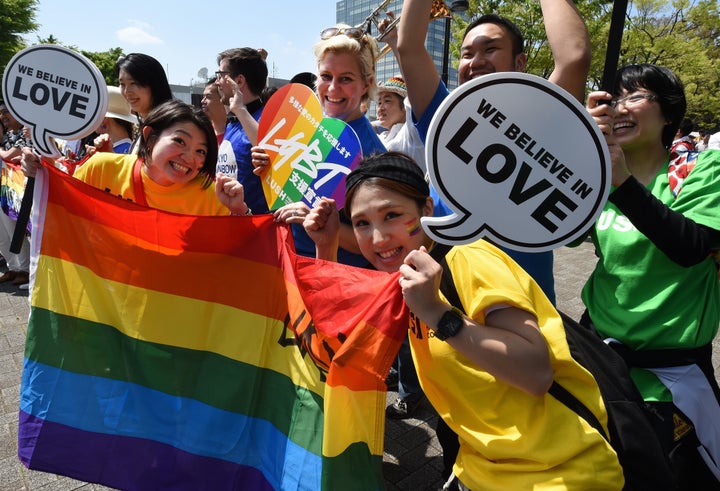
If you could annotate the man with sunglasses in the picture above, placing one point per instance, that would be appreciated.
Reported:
(491, 44)
(241, 78)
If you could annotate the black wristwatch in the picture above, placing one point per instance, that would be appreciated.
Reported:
(449, 324)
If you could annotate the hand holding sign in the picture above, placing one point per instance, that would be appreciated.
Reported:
(309, 155)
(55, 92)
(520, 162)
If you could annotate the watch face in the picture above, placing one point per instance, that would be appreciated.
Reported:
(450, 324)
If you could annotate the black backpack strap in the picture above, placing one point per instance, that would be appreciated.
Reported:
(563, 395)
(438, 251)
(664, 357)
(447, 284)
(448, 289)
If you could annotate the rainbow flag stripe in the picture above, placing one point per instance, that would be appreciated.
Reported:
(12, 188)
(169, 351)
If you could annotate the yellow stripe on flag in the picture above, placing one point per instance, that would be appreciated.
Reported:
(343, 405)
(172, 320)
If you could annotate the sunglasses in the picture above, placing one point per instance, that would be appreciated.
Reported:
(351, 32)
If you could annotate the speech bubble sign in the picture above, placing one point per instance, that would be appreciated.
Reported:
(309, 155)
(519, 161)
(56, 92)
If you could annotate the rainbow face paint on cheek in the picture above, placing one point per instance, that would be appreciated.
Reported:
(413, 227)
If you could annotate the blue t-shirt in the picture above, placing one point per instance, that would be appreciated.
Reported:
(234, 160)
(539, 265)
(369, 143)
(122, 146)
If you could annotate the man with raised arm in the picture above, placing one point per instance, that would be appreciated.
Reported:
(491, 44)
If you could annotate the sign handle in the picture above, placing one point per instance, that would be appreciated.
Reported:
(612, 54)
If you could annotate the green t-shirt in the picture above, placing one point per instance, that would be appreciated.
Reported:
(640, 297)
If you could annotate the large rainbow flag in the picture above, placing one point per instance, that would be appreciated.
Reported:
(173, 352)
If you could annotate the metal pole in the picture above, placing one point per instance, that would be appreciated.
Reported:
(446, 52)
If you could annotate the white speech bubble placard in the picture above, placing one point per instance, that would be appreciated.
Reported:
(519, 161)
(56, 92)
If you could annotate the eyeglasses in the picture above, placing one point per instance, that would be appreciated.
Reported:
(351, 32)
(632, 100)
(221, 73)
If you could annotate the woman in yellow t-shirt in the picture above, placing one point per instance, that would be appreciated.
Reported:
(487, 372)
(174, 169)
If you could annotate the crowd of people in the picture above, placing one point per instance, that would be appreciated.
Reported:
(486, 369)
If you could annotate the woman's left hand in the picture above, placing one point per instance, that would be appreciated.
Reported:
(231, 193)
(420, 281)
(292, 213)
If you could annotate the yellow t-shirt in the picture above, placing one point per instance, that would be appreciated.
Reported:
(509, 439)
(113, 173)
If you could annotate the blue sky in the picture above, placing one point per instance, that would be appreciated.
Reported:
(186, 40)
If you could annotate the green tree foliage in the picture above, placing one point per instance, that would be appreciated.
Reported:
(17, 17)
(104, 60)
(528, 16)
(683, 35)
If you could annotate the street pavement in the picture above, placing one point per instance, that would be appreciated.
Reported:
(412, 459)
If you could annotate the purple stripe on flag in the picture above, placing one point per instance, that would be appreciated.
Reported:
(136, 462)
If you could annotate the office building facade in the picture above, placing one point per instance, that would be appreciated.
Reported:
(354, 13)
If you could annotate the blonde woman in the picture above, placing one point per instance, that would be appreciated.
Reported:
(346, 80)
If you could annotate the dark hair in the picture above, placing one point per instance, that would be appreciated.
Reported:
(2, 126)
(666, 86)
(126, 125)
(173, 112)
(518, 41)
(686, 127)
(395, 171)
(148, 72)
(267, 93)
(249, 63)
(305, 78)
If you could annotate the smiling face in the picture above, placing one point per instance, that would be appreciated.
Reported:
(386, 224)
(638, 123)
(488, 48)
(177, 154)
(341, 86)
(211, 103)
(138, 97)
(390, 109)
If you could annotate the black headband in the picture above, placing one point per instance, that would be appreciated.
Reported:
(390, 167)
